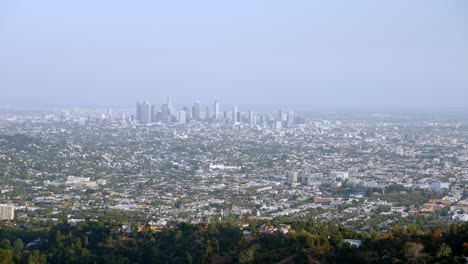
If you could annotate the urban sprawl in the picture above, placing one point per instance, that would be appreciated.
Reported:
(160, 166)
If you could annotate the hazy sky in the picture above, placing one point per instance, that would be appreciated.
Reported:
(319, 54)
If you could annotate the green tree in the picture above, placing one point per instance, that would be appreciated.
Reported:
(36, 258)
(413, 252)
(6, 256)
(444, 250)
(247, 255)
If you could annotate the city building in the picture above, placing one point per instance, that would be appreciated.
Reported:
(182, 117)
(340, 175)
(144, 112)
(437, 186)
(7, 212)
(170, 109)
(290, 119)
(207, 113)
(196, 111)
(234, 115)
(216, 111)
(292, 176)
(278, 124)
(251, 118)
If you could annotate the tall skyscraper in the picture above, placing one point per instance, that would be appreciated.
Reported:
(182, 117)
(290, 119)
(188, 113)
(138, 111)
(234, 115)
(216, 111)
(292, 176)
(153, 113)
(170, 110)
(251, 118)
(164, 110)
(144, 114)
(282, 115)
(196, 111)
(207, 113)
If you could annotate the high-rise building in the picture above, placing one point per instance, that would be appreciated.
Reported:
(144, 112)
(278, 124)
(7, 212)
(188, 113)
(342, 175)
(164, 110)
(182, 117)
(216, 111)
(251, 118)
(290, 119)
(153, 113)
(138, 110)
(207, 113)
(282, 115)
(234, 115)
(292, 176)
(170, 110)
(196, 111)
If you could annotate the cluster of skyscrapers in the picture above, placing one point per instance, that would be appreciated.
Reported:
(147, 113)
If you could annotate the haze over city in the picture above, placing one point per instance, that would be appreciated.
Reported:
(261, 131)
(306, 55)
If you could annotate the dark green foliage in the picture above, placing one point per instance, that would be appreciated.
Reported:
(306, 242)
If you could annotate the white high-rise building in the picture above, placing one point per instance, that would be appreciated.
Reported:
(170, 110)
(292, 176)
(290, 119)
(278, 124)
(234, 115)
(251, 118)
(196, 111)
(216, 111)
(182, 117)
(7, 212)
(342, 175)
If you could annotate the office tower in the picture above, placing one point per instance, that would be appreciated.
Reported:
(170, 110)
(341, 175)
(164, 110)
(159, 117)
(207, 113)
(251, 118)
(196, 111)
(182, 117)
(300, 120)
(292, 177)
(290, 119)
(282, 115)
(7, 212)
(109, 113)
(144, 114)
(138, 111)
(234, 114)
(278, 124)
(188, 113)
(216, 111)
(153, 113)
